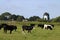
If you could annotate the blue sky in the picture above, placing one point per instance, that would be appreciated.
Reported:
(29, 8)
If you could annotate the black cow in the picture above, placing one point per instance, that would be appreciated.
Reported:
(28, 28)
(9, 27)
(41, 25)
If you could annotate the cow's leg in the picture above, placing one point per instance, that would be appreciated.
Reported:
(47, 28)
(28, 31)
(23, 29)
(44, 27)
(15, 29)
(10, 31)
(5, 31)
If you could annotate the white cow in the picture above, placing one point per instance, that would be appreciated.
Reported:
(48, 26)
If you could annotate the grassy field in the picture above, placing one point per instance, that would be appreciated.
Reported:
(36, 34)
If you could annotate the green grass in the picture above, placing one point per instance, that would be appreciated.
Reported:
(36, 34)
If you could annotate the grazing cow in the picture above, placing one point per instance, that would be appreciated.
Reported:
(48, 26)
(9, 27)
(41, 25)
(28, 28)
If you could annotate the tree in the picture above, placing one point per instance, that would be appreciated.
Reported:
(57, 19)
(13, 17)
(34, 18)
(20, 18)
(5, 16)
(8, 16)
(6, 13)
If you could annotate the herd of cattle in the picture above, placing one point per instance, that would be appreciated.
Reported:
(7, 27)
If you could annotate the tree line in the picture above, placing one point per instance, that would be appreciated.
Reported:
(8, 16)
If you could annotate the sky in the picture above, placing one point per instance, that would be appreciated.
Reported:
(28, 8)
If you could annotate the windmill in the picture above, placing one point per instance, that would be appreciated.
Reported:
(46, 16)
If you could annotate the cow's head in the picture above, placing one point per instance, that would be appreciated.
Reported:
(3, 25)
(15, 28)
(32, 24)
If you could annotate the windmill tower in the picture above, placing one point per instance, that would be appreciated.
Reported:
(46, 16)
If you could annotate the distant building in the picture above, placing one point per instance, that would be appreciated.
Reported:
(46, 16)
